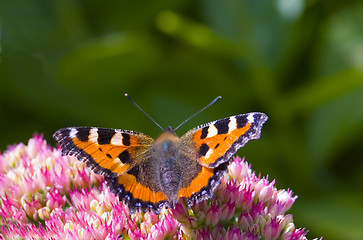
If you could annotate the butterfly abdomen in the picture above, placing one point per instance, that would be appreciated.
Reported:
(170, 177)
(166, 153)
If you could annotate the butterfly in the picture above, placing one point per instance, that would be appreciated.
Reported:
(150, 175)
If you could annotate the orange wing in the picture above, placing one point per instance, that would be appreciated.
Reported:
(215, 143)
(211, 146)
(110, 152)
(138, 194)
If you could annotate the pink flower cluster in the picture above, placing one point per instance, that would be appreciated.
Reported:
(49, 196)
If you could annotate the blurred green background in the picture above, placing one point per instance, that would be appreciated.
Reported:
(68, 63)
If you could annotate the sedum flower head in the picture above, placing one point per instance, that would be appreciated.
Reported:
(46, 195)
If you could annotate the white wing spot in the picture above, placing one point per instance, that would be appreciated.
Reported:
(73, 133)
(93, 135)
(212, 131)
(209, 152)
(232, 125)
(251, 118)
(117, 139)
(117, 161)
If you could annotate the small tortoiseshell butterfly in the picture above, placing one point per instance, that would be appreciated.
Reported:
(150, 174)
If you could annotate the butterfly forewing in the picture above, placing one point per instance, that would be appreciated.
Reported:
(110, 152)
(216, 142)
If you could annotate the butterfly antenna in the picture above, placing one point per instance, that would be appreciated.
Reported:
(210, 104)
(157, 124)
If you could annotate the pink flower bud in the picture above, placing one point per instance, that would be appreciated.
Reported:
(272, 229)
(228, 211)
(54, 199)
(180, 211)
(203, 234)
(238, 169)
(213, 216)
(230, 192)
(233, 234)
(245, 198)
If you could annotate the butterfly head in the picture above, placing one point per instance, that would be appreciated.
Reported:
(170, 129)
(166, 143)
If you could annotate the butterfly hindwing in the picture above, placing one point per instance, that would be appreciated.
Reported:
(139, 188)
(217, 141)
(201, 183)
(109, 152)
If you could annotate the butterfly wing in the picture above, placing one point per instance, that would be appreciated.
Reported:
(215, 143)
(122, 157)
(110, 152)
(211, 145)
